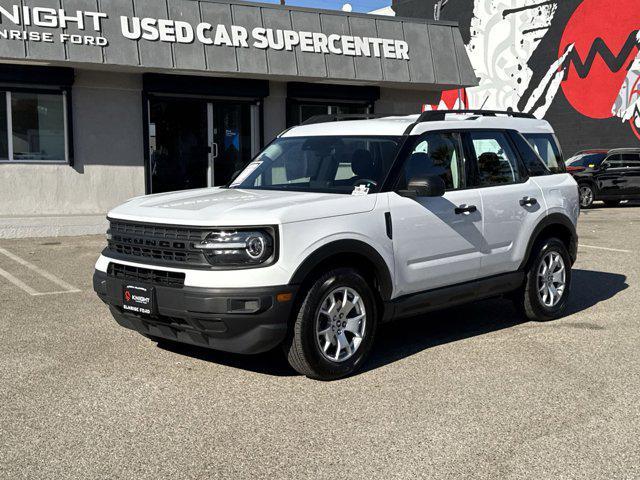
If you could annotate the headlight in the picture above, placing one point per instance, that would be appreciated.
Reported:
(238, 247)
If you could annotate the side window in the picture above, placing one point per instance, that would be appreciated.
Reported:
(497, 164)
(631, 160)
(532, 161)
(546, 146)
(615, 161)
(435, 154)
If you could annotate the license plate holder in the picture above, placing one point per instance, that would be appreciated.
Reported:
(138, 299)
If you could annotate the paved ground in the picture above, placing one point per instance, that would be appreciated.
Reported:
(472, 392)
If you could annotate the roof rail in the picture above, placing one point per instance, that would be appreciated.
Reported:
(338, 117)
(439, 115)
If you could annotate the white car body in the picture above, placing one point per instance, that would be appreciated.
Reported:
(420, 244)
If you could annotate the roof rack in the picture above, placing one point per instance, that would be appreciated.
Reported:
(439, 115)
(338, 117)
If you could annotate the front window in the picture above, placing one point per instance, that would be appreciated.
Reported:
(33, 126)
(435, 154)
(321, 164)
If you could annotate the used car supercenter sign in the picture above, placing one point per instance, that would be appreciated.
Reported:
(176, 31)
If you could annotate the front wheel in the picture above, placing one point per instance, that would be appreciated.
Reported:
(587, 195)
(334, 327)
(545, 293)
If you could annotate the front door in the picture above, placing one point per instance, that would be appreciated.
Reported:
(611, 178)
(438, 241)
(196, 143)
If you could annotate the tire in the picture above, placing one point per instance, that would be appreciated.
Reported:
(305, 344)
(586, 194)
(531, 300)
(612, 203)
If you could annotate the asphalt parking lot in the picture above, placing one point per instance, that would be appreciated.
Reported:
(472, 392)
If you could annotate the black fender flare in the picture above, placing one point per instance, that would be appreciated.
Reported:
(358, 249)
(549, 221)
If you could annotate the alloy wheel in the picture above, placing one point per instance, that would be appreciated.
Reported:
(552, 278)
(586, 196)
(340, 324)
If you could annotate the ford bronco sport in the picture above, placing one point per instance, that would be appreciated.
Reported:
(337, 227)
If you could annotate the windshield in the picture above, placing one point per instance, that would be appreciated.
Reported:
(586, 160)
(321, 164)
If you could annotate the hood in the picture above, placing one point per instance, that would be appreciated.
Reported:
(235, 207)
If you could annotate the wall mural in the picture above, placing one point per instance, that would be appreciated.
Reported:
(566, 60)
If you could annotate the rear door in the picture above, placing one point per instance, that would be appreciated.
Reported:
(437, 240)
(512, 203)
(631, 162)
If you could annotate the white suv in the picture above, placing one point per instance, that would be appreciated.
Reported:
(337, 227)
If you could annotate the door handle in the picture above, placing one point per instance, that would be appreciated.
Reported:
(465, 209)
(528, 202)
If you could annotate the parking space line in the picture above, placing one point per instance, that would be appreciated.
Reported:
(18, 283)
(52, 278)
(606, 248)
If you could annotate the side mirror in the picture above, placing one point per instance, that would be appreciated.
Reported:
(431, 186)
(604, 166)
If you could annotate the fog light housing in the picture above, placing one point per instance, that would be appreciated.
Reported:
(249, 305)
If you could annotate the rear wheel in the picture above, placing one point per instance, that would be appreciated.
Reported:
(587, 195)
(545, 293)
(334, 326)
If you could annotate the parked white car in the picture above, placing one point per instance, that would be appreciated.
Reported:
(337, 227)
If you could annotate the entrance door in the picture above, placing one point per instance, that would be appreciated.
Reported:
(196, 143)
(177, 144)
(230, 142)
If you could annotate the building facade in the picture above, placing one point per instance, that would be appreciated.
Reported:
(574, 62)
(103, 100)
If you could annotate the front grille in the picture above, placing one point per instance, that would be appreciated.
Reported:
(145, 275)
(156, 243)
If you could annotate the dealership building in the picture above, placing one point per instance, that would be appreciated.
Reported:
(103, 100)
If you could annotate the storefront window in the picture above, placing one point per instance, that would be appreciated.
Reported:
(33, 127)
(301, 111)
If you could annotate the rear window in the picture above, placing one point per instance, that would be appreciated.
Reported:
(546, 146)
(586, 160)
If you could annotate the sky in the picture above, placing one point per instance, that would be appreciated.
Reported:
(358, 5)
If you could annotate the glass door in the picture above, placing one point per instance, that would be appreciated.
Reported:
(178, 138)
(231, 143)
(196, 143)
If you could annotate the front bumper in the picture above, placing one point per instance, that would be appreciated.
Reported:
(207, 317)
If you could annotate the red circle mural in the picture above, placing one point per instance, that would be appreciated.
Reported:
(604, 34)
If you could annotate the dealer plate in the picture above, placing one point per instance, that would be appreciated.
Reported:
(138, 299)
